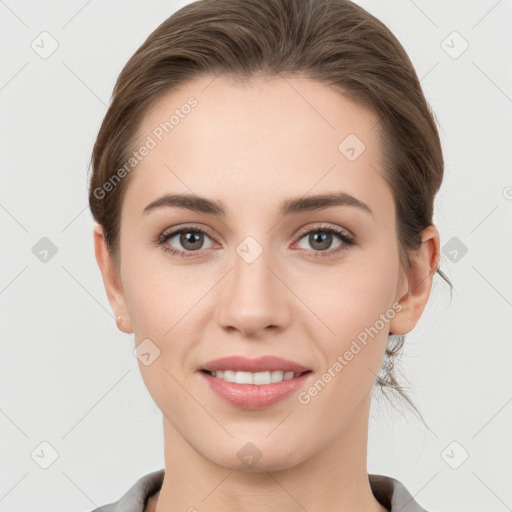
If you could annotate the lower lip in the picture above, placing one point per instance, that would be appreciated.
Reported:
(252, 396)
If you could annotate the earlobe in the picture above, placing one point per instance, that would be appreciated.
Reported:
(424, 263)
(111, 280)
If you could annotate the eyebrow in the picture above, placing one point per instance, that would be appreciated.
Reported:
(294, 205)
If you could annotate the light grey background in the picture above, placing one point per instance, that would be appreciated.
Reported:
(69, 377)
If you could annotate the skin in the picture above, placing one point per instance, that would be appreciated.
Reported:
(251, 147)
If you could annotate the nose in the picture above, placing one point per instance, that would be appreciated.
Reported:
(253, 297)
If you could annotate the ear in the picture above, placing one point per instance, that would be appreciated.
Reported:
(111, 280)
(417, 283)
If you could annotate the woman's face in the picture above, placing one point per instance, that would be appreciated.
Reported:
(266, 277)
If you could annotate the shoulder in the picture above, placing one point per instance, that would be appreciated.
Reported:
(393, 494)
(134, 500)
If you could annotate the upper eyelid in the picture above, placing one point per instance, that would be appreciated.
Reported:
(171, 232)
(325, 227)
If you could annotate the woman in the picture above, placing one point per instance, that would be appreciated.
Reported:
(263, 186)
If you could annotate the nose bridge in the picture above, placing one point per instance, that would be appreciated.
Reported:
(252, 296)
(250, 267)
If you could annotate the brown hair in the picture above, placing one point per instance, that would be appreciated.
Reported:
(335, 42)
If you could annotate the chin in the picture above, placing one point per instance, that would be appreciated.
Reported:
(257, 456)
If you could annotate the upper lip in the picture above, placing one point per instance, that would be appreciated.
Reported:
(260, 364)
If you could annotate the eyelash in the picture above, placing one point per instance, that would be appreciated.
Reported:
(348, 240)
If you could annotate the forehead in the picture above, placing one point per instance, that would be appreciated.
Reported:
(267, 138)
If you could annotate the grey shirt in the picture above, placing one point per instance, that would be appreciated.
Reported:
(387, 490)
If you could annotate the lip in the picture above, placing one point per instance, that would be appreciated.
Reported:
(260, 364)
(253, 396)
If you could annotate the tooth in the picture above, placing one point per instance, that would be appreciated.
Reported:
(257, 378)
(229, 376)
(244, 378)
(261, 378)
(276, 376)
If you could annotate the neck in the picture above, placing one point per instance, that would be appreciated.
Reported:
(334, 479)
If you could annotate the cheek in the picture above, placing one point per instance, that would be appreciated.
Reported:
(350, 298)
(166, 305)
(355, 306)
(162, 303)
(159, 294)
(358, 311)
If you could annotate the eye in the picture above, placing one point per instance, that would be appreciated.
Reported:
(321, 238)
(190, 238)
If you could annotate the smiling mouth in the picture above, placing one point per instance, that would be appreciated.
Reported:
(255, 378)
